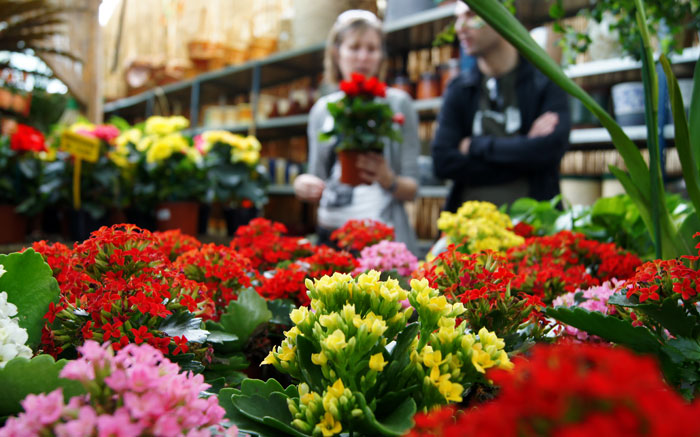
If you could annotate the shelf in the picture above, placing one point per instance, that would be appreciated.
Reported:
(427, 191)
(428, 104)
(292, 120)
(615, 65)
(601, 135)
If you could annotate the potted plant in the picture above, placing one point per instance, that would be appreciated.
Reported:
(234, 177)
(165, 172)
(19, 176)
(361, 123)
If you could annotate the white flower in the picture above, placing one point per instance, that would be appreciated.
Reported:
(12, 336)
(2, 270)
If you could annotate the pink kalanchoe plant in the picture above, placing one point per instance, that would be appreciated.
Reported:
(138, 392)
(386, 256)
(592, 299)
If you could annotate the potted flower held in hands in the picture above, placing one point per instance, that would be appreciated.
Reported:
(362, 122)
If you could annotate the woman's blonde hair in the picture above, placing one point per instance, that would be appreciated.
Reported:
(351, 20)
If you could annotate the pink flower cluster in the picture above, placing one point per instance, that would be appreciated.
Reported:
(105, 132)
(386, 256)
(137, 392)
(592, 299)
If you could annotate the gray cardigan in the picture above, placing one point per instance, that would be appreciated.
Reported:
(401, 157)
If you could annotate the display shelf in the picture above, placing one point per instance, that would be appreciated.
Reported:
(616, 65)
(423, 191)
(235, 128)
(292, 120)
(428, 104)
(602, 136)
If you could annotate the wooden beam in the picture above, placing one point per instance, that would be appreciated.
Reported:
(58, 65)
(92, 71)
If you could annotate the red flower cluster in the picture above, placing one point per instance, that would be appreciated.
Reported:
(263, 242)
(524, 230)
(27, 139)
(221, 272)
(358, 234)
(174, 243)
(116, 286)
(358, 85)
(657, 280)
(289, 282)
(573, 390)
(482, 282)
(551, 265)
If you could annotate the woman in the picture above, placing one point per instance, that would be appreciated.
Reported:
(356, 44)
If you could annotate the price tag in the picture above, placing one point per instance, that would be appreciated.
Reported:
(80, 146)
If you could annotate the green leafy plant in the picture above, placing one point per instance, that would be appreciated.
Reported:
(642, 183)
(666, 18)
(350, 378)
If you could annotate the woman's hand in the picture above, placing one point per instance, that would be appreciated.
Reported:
(309, 187)
(373, 168)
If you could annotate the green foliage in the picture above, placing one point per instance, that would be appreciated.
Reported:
(666, 18)
(20, 174)
(21, 377)
(30, 285)
(232, 182)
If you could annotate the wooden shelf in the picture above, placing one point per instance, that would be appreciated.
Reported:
(601, 135)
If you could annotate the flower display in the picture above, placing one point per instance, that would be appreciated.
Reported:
(358, 234)
(573, 390)
(344, 336)
(118, 286)
(220, 270)
(263, 242)
(480, 225)
(12, 336)
(27, 139)
(387, 256)
(361, 120)
(233, 174)
(174, 243)
(137, 392)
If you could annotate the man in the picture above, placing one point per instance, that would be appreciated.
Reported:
(503, 127)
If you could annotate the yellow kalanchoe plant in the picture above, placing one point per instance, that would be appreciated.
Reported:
(358, 362)
(480, 225)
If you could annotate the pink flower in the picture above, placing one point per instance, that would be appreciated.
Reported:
(117, 425)
(387, 256)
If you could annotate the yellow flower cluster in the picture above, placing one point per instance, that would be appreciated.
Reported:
(480, 225)
(243, 149)
(323, 415)
(161, 126)
(159, 141)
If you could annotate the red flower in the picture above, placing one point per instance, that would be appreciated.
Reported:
(351, 89)
(27, 139)
(358, 234)
(141, 334)
(398, 118)
(180, 345)
(246, 203)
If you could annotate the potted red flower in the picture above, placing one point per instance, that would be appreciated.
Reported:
(362, 122)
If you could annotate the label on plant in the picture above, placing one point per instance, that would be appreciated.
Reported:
(81, 146)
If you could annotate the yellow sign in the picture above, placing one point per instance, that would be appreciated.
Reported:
(81, 146)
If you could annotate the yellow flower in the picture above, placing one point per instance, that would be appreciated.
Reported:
(319, 359)
(144, 144)
(329, 426)
(481, 359)
(377, 362)
(438, 304)
(129, 136)
(81, 125)
(451, 391)
(298, 315)
(430, 358)
(159, 151)
(335, 341)
(157, 125)
(287, 353)
(292, 333)
(270, 359)
(488, 338)
(504, 362)
(337, 389)
(251, 143)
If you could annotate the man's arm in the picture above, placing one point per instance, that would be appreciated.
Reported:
(529, 152)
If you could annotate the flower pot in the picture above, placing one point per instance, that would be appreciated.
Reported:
(349, 174)
(13, 226)
(237, 217)
(178, 215)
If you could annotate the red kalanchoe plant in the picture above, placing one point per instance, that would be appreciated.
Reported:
(482, 283)
(362, 119)
(119, 287)
(355, 235)
(27, 139)
(574, 390)
(221, 271)
(174, 243)
(263, 242)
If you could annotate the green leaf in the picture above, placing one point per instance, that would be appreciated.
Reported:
(243, 423)
(694, 116)
(280, 309)
(245, 315)
(397, 423)
(251, 387)
(311, 373)
(21, 377)
(672, 316)
(220, 337)
(30, 285)
(618, 331)
(184, 324)
(682, 136)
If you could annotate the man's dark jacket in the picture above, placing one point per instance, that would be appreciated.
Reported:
(495, 160)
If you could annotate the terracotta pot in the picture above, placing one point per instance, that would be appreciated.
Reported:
(178, 215)
(13, 226)
(349, 174)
